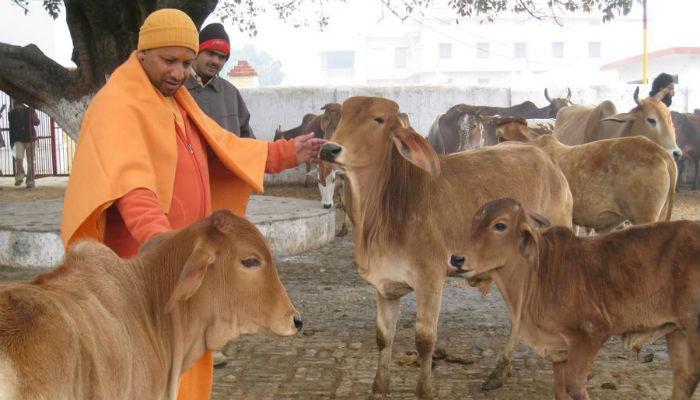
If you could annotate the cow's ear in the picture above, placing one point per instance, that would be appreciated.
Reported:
(192, 273)
(416, 150)
(528, 245)
(622, 117)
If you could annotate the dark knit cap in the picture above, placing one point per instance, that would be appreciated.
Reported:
(214, 37)
(660, 82)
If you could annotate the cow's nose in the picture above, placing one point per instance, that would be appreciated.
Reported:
(677, 154)
(298, 323)
(327, 206)
(457, 261)
(330, 151)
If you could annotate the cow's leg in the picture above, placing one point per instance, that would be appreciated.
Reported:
(680, 164)
(499, 375)
(560, 392)
(679, 353)
(695, 181)
(428, 300)
(582, 351)
(387, 315)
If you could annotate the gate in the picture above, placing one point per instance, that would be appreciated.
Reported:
(53, 148)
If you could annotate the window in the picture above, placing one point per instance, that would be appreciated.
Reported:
(558, 49)
(482, 50)
(445, 52)
(520, 50)
(593, 49)
(400, 57)
(339, 60)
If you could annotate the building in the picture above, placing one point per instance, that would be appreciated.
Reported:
(681, 61)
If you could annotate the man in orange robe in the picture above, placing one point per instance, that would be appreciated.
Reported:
(149, 160)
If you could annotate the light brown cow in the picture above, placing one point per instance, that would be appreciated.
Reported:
(102, 327)
(613, 180)
(567, 295)
(408, 210)
(580, 124)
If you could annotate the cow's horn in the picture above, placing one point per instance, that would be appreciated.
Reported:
(636, 96)
(546, 95)
(568, 93)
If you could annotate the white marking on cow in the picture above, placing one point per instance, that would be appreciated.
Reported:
(8, 379)
(327, 190)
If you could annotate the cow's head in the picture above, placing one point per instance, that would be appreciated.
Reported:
(228, 278)
(330, 119)
(368, 130)
(471, 132)
(651, 119)
(558, 103)
(509, 129)
(502, 234)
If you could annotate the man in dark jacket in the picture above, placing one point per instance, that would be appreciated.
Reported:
(661, 82)
(216, 96)
(22, 121)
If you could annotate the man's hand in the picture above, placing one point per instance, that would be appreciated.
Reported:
(308, 147)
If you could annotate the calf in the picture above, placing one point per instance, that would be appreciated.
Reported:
(407, 207)
(567, 295)
(102, 327)
(613, 180)
(688, 137)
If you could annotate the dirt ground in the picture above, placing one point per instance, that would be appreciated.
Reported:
(335, 357)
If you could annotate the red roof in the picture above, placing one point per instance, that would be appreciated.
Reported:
(673, 51)
(242, 69)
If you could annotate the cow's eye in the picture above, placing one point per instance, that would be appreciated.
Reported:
(250, 262)
(651, 121)
(379, 120)
(500, 226)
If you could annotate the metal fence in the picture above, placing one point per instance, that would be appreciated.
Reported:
(53, 148)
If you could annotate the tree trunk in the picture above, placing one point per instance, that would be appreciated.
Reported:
(104, 33)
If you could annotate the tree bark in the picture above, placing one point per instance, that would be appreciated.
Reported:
(104, 33)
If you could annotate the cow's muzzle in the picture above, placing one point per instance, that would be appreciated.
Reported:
(298, 323)
(677, 154)
(456, 265)
(330, 151)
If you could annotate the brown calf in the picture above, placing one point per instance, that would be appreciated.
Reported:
(613, 180)
(102, 327)
(408, 209)
(567, 295)
(322, 125)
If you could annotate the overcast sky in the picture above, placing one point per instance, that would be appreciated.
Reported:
(671, 23)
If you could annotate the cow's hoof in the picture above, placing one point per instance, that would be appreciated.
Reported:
(491, 384)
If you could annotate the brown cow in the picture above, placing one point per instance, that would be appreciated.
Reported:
(102, 327)
(408, 209)
(322, 125)
(613, 180)
(688, 138)
(567, 295)
(580, 124)
(457, 129)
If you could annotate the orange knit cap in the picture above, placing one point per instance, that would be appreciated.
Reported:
(168, 27)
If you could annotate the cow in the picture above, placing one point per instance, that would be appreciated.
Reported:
(457, 129)
(688, 138)
(487, 126)
(567, 295)
(613, 180)
(580, 124)
(102, 327)
(321, 125)
(408, 208)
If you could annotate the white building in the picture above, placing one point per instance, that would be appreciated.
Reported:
(681, 61)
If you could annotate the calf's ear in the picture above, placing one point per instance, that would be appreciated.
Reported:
(416, 150)
(528, 246)
(540, 221)
(192, 275)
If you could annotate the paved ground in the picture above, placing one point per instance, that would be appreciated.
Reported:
(335, 357)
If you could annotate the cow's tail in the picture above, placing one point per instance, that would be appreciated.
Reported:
(673, 175)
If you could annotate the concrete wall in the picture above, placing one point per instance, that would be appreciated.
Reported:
(285, 106)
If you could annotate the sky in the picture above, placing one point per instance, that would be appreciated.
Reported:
(671, 23)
